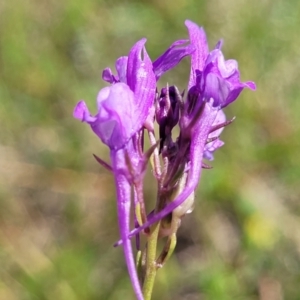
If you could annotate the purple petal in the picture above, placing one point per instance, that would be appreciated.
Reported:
(168, 60)
(217, 88)
(141, 80)
(81, 112)
(115, 118)
(108, 76)
(135, 70)
(220, 79)
(121, 67)
(225, 68)
(114, 123)
(213, 146)
(210, 148)
(198, 39)
(251, 85)
(219, 44)
(220, 118)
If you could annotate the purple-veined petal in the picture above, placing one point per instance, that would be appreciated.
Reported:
(217, 78)
(174, 54)
(114, 123)
(115, 119)
(198, 39)
(220, 79)
(121, 67)
(135, 66)
(217, 88)
(141, 80)
(123, 108)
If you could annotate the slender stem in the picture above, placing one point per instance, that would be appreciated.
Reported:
(151, 266)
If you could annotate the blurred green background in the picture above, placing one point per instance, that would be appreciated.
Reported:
(57, 205)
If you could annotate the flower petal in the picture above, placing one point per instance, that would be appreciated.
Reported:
(108, 76)
(220, 79)
(81, 112)
(141, 80)
(121, 67)
(210, 148)
(174, 54)
(115, 119)
(198, 40)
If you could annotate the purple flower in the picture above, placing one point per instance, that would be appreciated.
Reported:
(114, 122)
(123, 107)
(213, 76)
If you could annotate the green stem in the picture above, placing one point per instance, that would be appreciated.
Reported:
(151, 267)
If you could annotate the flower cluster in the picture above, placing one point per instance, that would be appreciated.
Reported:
(128, 108)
